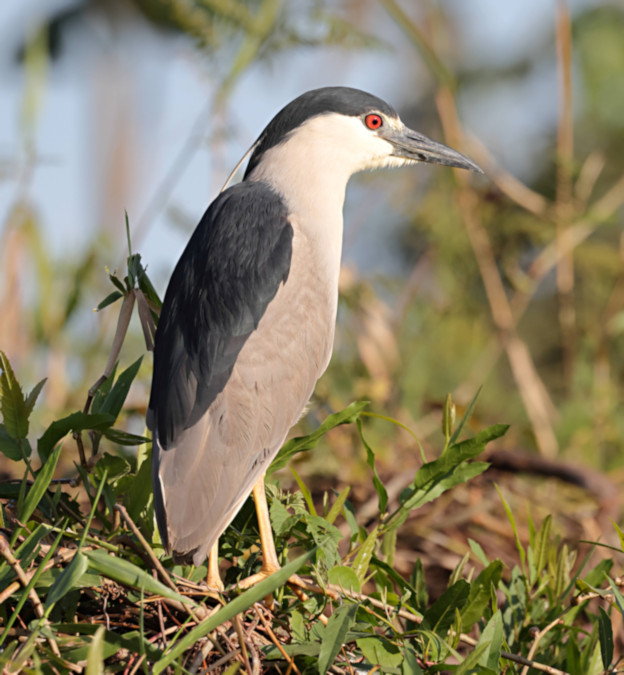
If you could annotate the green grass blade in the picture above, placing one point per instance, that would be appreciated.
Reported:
(39, 486)
(128, 574)
(465, 418)
(238, 605)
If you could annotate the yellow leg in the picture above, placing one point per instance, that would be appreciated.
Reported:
(213, 578)
(270, 563)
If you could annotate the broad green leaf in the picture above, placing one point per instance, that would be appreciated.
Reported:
(344, 577)
(95, 657)
(113, 402)
(124, 572)
(363, 556)
(492, 636)
(382, 494)
(77, 421)
(480, 594)
(605, 635)
(335, 632)
(477, 549)
(303, 443)
(282, 519)
(40, 485)
(67, 580)
(12, 402)
(472, 665)
(379, 651)
(439, 616)
(410, 664)
(10, 447)
(236, 606)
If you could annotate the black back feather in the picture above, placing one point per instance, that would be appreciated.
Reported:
(231, 269)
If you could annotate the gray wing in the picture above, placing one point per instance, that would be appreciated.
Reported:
(232, 268)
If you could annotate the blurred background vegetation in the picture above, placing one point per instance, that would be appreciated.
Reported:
(511, 282)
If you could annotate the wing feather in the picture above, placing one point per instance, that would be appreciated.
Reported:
(231, 269)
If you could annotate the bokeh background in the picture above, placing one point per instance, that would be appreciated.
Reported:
(512, 282)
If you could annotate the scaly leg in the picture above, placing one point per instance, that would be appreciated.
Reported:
(213, 578)
(270, 562)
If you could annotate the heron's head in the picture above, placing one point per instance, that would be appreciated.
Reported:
(342, 130)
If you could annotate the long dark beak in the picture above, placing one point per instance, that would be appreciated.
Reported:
(410, 144)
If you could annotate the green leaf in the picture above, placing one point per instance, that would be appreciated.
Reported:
(345, 578)
(334, 635)
(40, 485)
(95, 657)
(236, 606)
(514, 528)
(303, 443)
(439, 616)
(465, 418)
(382, 494)
(363, 557)
(410, 664)
(148, 289)
(124, 437)
(67, 580)
(117, 283)
(282, 519)
(619, 598)
(12, 403)
(472, 665)
(130, 641)
(480, 594)
(78, 421)
(605, 634)
(379, 651)
(32, 397)
(113, 402)
(128, 574)
(440, 482)
(337, 506)
(542, 546)
(307, 495)
(492, 636)
(10, 447)
(109, 300)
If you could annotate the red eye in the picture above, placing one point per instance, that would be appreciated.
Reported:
(373, 121)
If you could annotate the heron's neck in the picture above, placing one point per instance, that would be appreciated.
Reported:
(314, 193)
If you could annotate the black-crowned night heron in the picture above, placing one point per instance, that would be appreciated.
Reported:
(247, 323)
